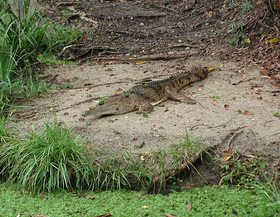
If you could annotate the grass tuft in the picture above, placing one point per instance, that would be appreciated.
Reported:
(271, 194)
(46, 160)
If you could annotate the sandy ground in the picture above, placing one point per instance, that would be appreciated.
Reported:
(230, 98)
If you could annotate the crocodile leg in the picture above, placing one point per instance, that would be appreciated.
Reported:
(178, 96)
(145, 107)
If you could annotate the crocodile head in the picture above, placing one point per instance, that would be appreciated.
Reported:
(110, 106)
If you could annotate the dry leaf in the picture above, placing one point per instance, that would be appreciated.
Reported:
(170, 215)
(274, 40)
(211, 68)
(90, 197)
(277, 5)
(228, 155)
(247, 113)
(258, 91)
(140, 62)
(190, 207)
(246, 40)
(73, 191)
(264, 71)
(156, 178)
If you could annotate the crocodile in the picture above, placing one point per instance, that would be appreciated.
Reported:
(145, 95)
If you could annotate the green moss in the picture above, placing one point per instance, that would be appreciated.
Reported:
(206, 201)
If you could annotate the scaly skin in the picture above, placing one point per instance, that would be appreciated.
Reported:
(142, 97)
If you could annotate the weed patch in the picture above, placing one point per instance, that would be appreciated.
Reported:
(202, 201)
(242, 171)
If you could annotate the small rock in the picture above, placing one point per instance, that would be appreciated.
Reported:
(141, 24)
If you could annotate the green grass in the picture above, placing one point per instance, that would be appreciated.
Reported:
(271, 194)
(206, 201)
(47, 160)
(53, 158)
(20, 89)
(25, 39)
(4, 131)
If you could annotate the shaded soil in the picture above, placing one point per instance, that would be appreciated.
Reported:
(236, 102)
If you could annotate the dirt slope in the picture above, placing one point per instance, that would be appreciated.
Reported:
(234, 98)
(227, 92)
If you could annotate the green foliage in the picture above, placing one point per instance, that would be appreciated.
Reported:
(183, 151)
(21, 42)
(166, 160)
(205, 201)
(4, 132)
(58, 36)
(246, 7)
(271, 194)
(239, 37)
(20, 89)
(119, 172)
(230, 2)
(24, 34)
(241, 172)
(48, 160)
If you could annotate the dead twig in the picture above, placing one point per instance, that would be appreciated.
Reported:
(230, 140)
(228, 135)
(220, 125)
